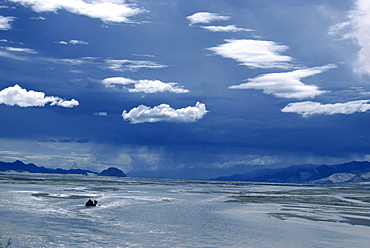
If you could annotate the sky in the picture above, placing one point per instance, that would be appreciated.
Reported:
(184, 85)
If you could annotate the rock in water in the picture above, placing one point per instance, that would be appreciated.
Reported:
(112, 172)
(91, 203)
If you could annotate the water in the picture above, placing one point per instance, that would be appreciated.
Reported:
(49, 211)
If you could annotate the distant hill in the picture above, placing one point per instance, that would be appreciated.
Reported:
(112, 172)
(19, 166)
(339, 173)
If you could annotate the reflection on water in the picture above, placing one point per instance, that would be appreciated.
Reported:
(49, 211)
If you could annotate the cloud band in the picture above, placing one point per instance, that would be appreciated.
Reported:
(309, 108)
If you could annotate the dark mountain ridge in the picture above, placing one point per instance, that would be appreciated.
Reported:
(19, 166)
(348, 172)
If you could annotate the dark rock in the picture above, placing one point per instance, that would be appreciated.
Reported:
(112, 172)
(91, 203)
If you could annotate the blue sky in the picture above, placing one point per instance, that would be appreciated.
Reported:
(184, 84)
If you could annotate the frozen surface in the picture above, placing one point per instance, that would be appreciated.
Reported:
(49, 211)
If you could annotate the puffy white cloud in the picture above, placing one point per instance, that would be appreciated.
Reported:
(228, 28)
(5, 22)
(15, 95)
(145, 85)
(155, 86)
(309, 108)
(254, 53)
(131, 65)
(206, 17)
(110, 82)
(165, 113)
(357, 28)
(108, 10)
(360, 18)
(286, 84)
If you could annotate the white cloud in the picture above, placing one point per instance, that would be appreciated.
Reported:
(10, 52)
(254, 53)
(360, 18)
(73, 62)
(145, 85)
(17, 49)
(155, 86)
(11, 56)
(77, 71)
(131, 65)
(111, 64)
(78, 42)
(309, 108)
(15, 95)
(344, 29)
(38, 18)
(73, 42)
(5, 22)
(145, 55)
(164, 113)
(228, 28)
(110, 82)
(108, 10)
(101, 114)
(286, 84)
(357, 28)
(206, 17)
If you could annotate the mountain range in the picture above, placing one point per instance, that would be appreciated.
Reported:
(319, 174)
(19, 166)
